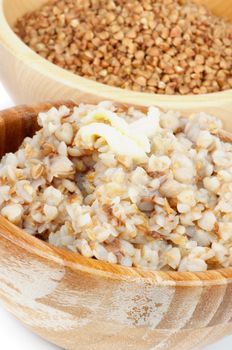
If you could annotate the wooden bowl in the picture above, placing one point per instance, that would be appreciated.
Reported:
(30, 78)
(84, 304)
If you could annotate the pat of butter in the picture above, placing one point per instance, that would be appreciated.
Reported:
(149, 125)
(129, 140)
(111, 118)
(119, 144)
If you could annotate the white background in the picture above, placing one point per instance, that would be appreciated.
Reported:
(13, 334)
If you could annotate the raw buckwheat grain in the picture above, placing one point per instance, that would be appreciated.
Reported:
(158, 46)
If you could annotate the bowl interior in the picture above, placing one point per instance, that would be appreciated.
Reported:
(17, 8)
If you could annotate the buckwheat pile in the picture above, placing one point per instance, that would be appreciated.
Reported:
(152, 189)
(157, 46)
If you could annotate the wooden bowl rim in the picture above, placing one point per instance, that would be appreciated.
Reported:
(17, 47)
(75, 261)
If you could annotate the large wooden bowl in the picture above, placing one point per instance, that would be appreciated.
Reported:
(30, 78)
(83, 304)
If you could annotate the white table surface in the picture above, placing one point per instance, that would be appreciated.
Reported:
(13, 334)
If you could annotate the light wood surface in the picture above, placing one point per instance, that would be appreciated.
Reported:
(85, 304)
(30, 78)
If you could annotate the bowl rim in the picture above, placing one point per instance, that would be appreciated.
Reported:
(76, 261)
(36, 62)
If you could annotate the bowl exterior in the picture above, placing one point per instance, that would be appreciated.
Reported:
(26, 84)
(83, 309)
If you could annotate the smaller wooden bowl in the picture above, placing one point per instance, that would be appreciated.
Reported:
(84, 304)
(32, 79)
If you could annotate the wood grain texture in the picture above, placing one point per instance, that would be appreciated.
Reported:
(30, 78)
(85, 304)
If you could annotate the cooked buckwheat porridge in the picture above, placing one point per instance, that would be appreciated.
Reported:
(152, 189)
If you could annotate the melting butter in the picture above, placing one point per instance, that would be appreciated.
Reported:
(124, 139)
